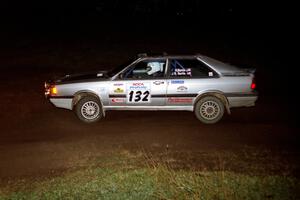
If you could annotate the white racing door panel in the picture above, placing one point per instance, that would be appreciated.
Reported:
(138, 92)
(146, 92)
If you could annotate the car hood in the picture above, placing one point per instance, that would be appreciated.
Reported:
(82, 77)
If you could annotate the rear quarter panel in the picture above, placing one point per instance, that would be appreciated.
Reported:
(235, 84)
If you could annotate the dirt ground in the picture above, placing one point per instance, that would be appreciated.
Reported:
(38, 139)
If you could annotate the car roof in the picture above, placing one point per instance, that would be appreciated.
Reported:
(160, 56)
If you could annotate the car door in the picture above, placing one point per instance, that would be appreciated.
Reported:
(186, 78)
(143, 84)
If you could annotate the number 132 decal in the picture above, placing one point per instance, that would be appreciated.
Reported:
(138, 96)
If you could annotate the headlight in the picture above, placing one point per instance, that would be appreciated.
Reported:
(50, 89)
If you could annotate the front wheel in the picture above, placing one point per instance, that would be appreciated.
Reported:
(89, 109)
(209, 110)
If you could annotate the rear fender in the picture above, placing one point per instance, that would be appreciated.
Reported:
(217, 94)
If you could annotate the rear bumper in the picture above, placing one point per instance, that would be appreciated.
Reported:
(242, 100)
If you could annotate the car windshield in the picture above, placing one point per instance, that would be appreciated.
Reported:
(117, 69)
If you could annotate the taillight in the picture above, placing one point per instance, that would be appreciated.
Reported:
(253, 84)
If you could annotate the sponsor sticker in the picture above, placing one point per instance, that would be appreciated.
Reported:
(177, 81)
(118, 84)
(180, 100)
(118, 100)
(158, 82)
(182, 72)
(182, 89)
(138, 86)
(118, 90)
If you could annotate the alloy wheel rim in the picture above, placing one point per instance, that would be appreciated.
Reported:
(90, 110)
(209, 110)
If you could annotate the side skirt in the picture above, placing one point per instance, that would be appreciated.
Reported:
(186, 108)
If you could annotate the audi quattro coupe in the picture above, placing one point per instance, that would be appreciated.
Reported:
(194, 83)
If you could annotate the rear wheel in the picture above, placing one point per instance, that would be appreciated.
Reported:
(89, 109)
(209, 110)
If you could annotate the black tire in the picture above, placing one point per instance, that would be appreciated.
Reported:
(88, 109)
(209, 110)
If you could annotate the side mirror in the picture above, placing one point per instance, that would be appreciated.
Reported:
(121, 76)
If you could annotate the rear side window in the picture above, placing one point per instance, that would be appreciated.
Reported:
(190, 68)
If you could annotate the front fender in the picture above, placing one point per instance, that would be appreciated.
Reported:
(83, 93)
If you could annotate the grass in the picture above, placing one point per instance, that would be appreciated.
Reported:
(138, 176)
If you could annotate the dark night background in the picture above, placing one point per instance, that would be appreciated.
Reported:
(99, 34)
(41, 39)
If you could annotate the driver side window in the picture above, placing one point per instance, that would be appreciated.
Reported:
(146, 69)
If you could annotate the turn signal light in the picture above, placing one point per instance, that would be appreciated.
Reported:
(53, 90)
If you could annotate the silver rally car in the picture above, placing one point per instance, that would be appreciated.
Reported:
(194, 83)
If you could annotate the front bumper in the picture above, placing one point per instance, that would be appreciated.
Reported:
(47, 88)
(61, 102)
